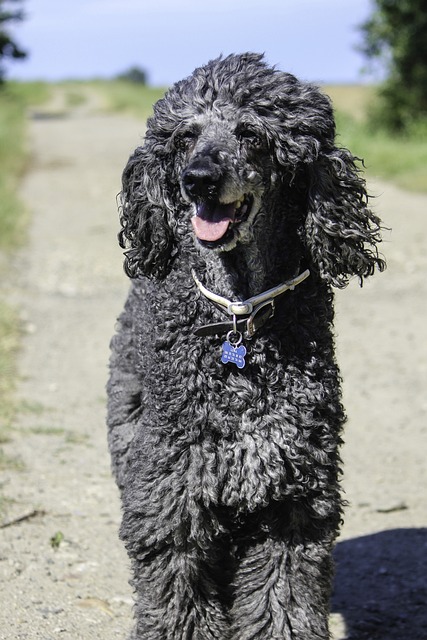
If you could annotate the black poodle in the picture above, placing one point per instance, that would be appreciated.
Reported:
(239, 213)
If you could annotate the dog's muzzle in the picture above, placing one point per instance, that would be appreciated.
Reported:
(203, 181)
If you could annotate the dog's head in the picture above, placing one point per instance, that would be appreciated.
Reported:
(236, 148)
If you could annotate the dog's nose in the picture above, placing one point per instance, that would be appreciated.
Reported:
(201, 178)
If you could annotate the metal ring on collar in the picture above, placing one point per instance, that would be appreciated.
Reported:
(240, 308)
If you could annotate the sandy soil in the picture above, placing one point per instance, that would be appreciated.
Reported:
(70, 287)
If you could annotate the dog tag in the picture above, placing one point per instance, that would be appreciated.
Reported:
(233, 352)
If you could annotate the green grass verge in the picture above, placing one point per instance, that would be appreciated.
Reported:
(9, 343)
(15, 98)
(400, 159)
(123, 96)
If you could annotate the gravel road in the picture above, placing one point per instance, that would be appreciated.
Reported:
(63, 572)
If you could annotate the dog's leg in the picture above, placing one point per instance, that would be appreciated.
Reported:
(282, 589)
(175, 547)
(176, 599)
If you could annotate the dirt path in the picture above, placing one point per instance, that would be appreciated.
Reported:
(70, 287)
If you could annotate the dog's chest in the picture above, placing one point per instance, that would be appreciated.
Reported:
(242, 442)
(243, 437)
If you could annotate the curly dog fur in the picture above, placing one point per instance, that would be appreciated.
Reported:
(230, 477)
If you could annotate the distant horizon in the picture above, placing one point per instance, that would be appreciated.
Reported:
(316, 40)
(149, 85)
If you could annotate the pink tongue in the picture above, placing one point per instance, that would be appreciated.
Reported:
(211, 223)
(209, 231)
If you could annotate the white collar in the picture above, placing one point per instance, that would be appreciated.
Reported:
(250, 308)
(246, 307)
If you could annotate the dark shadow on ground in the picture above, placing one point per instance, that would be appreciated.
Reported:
(381, 585)
(49, 115)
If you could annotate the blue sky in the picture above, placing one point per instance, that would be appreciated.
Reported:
(314, 39)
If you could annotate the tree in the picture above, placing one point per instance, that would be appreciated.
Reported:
(396, 34)
(8, 47)
(134, 74)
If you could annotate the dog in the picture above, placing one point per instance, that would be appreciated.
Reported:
(239, 214)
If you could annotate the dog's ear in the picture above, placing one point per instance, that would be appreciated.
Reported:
(342, 233)
(145, 233)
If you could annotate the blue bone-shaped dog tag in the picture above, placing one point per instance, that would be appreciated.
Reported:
(233, 354)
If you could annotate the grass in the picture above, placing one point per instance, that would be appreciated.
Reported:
(74, 97)
(15, 98)
(7, 462)
(351, 99)
(10, 335)
(9, 343)
(400, 159)
(122, 96)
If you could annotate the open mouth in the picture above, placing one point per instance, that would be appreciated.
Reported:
(214, 222)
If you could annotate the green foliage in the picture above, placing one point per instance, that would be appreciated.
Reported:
(396, 34)
(135, 75)
(56, 540)
(8, 47)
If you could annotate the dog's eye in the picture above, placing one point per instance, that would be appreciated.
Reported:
(250, 138)
(184, 140)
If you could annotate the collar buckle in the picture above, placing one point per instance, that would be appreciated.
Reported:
(259, 317)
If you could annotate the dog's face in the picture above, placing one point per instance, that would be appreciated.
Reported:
(226, 170)
(230, 138)
(242, 153)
